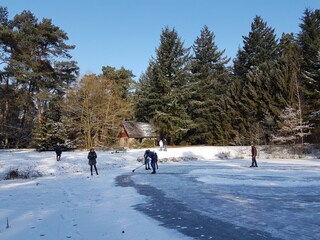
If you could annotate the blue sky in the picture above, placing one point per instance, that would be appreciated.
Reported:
(126, 32)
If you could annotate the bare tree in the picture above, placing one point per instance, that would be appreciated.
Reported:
(96, 110)
(293, 129)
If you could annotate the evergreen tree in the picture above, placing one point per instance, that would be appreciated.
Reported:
(33, 55)
(309, 42)
(256, 67)
(38, 45)
(142, 98)
(258, 47)
(290, 75)
(7, 91)
(166, 79)
(206, 86)
(122, 79)
(233, 121)
(290, 68)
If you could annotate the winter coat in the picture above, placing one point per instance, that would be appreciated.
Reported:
(58, 150)
(165, 142)
(92, 156)
(253, 151)
(153, 156)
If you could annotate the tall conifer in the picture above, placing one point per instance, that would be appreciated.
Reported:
(165, 83)
(256, 67)
(206, 86)
(309, 42)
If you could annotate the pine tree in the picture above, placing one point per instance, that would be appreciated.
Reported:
(206, 87)
(309, 42)
(290, 68)
(143, 101)
(165, 79)
(290, 74)
(256, 66)
(36, 69)
(259, 46)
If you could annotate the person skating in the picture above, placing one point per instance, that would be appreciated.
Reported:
(92, 156)
(254, 156)
(58, 151)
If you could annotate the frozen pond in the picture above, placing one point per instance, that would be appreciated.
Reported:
(227, 200)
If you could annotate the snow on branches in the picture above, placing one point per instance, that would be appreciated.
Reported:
(293, 128)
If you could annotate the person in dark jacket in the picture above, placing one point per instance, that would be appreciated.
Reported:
(165, 144)
(154, 160)
(254, 155)
(92, 156)
(58, 151)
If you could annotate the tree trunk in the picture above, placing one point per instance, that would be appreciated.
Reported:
(39, 111)
(5, 120)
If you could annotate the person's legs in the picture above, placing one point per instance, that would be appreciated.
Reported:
(254, 162)
(153, 165)
(147, 165)
(91, 169)
(95, 168)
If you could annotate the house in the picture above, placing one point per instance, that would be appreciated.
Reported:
(130, 131)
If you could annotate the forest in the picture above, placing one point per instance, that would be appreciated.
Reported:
(193, 95)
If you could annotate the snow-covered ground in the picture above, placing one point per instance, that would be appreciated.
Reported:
(68, 203)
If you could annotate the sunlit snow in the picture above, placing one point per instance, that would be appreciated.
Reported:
(214, 182)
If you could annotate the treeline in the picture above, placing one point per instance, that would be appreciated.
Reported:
(270, 94)
(192, 95)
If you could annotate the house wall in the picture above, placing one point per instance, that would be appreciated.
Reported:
(127, 142)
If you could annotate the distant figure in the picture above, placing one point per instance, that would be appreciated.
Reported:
(154, 160)
(254, 155)
(146, 160)
(161, 145)
(165, 144)
(58, 151)
(92, 156)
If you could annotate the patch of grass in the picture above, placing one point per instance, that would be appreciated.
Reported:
(23, 174)
(223, 155)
